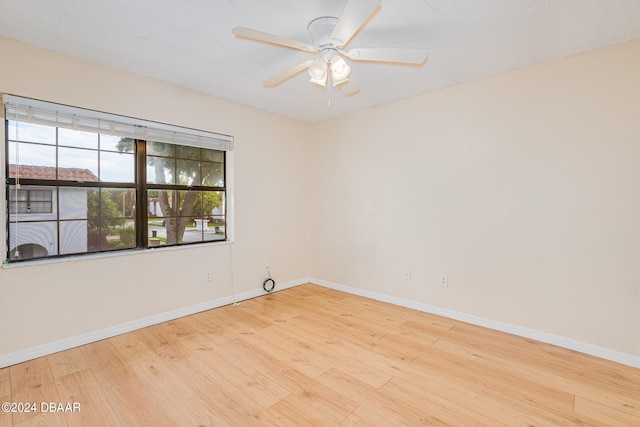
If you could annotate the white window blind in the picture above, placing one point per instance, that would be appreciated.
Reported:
(58, 115)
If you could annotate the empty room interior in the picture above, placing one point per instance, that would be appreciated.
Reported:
(344, 212)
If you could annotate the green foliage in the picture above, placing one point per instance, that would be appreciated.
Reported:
(205, 204)
(125, 145)
(105, 212)
(128, 236)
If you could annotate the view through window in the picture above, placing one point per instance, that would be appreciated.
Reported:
(74, 192)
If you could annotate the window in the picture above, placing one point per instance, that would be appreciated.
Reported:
(31, 202)
(74, 191)
(185, 193)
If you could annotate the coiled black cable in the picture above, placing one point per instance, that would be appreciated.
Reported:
(266, 282)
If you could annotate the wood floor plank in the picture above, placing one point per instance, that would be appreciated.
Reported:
(368, 367)
(203, 326)
(544, 403)
(287, 350)
(271, 309)
(5, 382)
(165, 386)
(289, 412)
(421, 327)
(225, 398)
(238, 320)
(126, 394)
(82, 387)
(381, 405)
(624, 415)
(364, 417)
(541, 372)
(162, 342)
(67, 362)
(342, 329)
(32, 382)
(5, 417)
(467, 396)
(325, 344)
(309, 355)
(502, 384)
(449, 411)
(30, 375)
(434, 321)
(46, 419)
(402, 345)
(391, 312)
(5, 396)
(287, 375)
(364, 313)
(580, 368)
(44, 393)
(262, 390)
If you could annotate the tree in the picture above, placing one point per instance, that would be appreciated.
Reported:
(178, 207)
(210, 201)
(104, 211)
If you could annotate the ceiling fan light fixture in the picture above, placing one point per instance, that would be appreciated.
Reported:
(319, 82)
(339, 82)
(318, 71)
(340, 70)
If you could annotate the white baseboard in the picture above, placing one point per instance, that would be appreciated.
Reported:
(593, 350)
(78, 340)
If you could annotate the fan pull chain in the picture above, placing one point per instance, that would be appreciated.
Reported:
(329, 90)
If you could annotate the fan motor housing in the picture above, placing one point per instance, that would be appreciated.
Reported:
(320, 30)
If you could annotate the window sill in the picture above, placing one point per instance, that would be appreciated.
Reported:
(103, 255)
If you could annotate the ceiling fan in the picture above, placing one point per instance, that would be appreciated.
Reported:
(329, 36)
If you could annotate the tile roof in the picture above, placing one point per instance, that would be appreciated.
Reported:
(49, 172)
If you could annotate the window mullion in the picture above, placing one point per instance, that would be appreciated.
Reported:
(142, 234)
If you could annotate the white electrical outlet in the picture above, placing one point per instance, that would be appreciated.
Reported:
(444, 280)
(406, 275)
(207, 276)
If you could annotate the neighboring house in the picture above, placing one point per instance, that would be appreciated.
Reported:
(154, 207)
(39, 213)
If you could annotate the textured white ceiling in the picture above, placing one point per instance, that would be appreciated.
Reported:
(189, 43)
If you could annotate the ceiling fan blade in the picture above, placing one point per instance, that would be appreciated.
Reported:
(398, 55)
(350, 87)
(353, 16)
(287, 74)
(248, 33)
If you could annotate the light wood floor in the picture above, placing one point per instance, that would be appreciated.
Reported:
(312, 356)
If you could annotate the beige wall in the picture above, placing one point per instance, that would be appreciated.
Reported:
(44, 303)
(523, 188)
